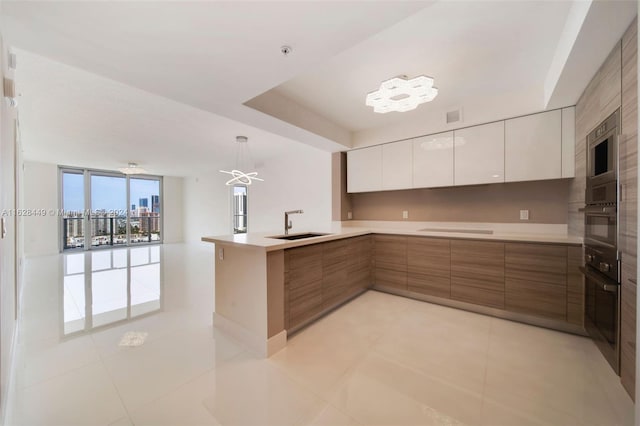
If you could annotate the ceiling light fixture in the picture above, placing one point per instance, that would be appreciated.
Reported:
(243, 161)
(133, 169)
(402, 94)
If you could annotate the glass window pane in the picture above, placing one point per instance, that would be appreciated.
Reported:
(73, 206)
(145, 289)
(145, 214)
(75, 263)
(239, 209)
(119, 258)
(100, 260)
(109, 291)
(74, 304)
(108, 209)
(139, 256)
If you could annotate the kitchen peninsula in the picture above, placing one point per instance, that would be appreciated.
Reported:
(267, 288)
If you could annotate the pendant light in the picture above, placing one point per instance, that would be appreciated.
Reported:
(133, 169)
(243, 162)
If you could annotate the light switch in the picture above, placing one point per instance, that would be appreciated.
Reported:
(405, 214)
(349, 215)
(221, 253)
(524, 214)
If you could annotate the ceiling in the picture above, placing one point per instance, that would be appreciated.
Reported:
(168, 84)
(472, 50)
(76, 118)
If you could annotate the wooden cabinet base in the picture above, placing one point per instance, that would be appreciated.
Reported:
(486, 310)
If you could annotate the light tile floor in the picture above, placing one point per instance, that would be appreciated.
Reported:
(379, 360)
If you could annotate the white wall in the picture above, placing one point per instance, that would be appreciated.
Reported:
(302, 180)
(172, 204)
(40, 191)
(9, 286)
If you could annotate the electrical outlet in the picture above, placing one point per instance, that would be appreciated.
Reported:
(405, 214)
(221, 253)
(524, 214)
(349, 215)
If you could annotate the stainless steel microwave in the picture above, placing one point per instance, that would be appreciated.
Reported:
(602, 154)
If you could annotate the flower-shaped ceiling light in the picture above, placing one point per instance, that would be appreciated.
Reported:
(401, 94)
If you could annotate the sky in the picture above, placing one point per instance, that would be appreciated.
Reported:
(109, 193)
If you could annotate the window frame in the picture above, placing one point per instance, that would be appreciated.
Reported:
(87, 173)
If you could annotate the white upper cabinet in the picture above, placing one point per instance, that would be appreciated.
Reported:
(397, 165)
(533, 147)
(569, 142)
(479, 154)
(364, 169)
(433, 160)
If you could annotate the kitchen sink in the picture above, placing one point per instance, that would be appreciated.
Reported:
(298, 236)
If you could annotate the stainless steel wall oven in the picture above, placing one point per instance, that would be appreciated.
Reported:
(602, 259)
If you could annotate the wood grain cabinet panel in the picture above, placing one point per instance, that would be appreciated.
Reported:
(575, 286)
(477, 272)
(321, 276)
(429, 266)
(390, 261)
(360, 262)
(536, 280)
(303, 284)
(628, 219)
(536, 298)
(335, 268)
(628, 337)
(536, 262)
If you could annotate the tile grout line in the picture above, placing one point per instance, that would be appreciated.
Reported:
(113, 383)
(178, 386)
(486, 369)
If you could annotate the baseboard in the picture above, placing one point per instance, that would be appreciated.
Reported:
(485, 310)
(261, 346)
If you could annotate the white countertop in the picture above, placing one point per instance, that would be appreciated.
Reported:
(339, 230)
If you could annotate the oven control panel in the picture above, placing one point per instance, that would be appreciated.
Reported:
(603, 260)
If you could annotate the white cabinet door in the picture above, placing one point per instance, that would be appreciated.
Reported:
(397, 166)
(433, 160)
(533, 147)
(479, 154)
(364, 169)
(569, 142)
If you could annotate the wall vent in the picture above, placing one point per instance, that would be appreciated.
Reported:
(454, 116)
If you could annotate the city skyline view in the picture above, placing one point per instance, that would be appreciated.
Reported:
(107, 192)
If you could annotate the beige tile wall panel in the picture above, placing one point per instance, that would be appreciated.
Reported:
(477, 272)
(600, 99)
(499, 203)
(275, 293)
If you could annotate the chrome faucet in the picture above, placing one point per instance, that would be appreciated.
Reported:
(287, 223)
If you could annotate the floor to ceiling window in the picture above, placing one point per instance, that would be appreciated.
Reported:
(239, 193)
(106, 209)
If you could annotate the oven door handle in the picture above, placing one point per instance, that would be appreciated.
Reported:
(612, 288)
(598, 210)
